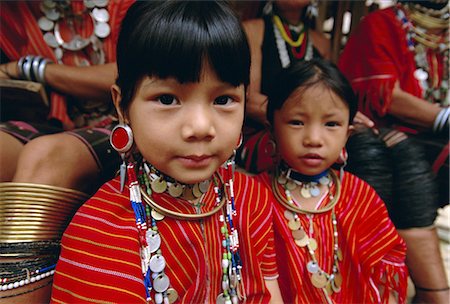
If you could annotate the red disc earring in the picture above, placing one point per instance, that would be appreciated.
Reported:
(121, 138)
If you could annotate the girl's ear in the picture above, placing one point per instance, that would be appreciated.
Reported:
(117, 98)
(351, 129)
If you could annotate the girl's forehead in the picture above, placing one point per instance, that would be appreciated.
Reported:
(317, 95)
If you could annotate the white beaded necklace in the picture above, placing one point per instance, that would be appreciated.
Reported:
(282, 49)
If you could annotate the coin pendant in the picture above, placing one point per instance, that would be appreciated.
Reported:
(159, 185)
(305, 193)
(156, 215)
(175, 189)
(45, 24)
(312, 244)
(302, 242)
(324, 180)
(282, 179)
(338, 279)
(187, 193)
(157, 263)
(50, 40)
(318, 280)
(298, 234)
(204, 186)
(335, 287)
(102, 29)
(328, 289)
(312, 267)
(153, 240)
(339, 254)
(172, 295)
(101, 3)
(290, 185)
(100, 14)
(221, 299)
(161, 283)
(294, 224)
(289, 215)
(196, 191)
(314, 191)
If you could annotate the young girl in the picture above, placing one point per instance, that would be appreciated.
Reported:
(333, 238)
(184, 229)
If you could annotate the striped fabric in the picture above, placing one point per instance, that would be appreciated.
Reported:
(20, 35)
(100, 260)
(372, 250)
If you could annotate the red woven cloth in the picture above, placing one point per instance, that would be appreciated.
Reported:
(100, 249)
(374, 58)
(373, 252)
(20, 35)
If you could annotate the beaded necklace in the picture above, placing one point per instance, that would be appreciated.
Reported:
(304, 238)
(426, 46)
(152, 260)
(309, 185)
(283, 36)
(18, 274)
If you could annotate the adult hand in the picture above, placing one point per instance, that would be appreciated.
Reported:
(256, 107)
(9, 70)
(362, 121)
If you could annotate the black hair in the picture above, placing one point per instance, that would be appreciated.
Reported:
(174, 39)
(309, 73)
(435, 5)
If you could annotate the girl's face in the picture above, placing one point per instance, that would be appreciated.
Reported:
(311, 129)
(186, 130)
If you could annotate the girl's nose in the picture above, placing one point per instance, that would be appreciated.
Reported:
(199, 123)
(312, 136)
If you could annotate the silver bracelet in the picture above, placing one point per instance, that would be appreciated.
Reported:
(40, 76)
(35, 66)
(444, 119)
(441, 120)
(27, 67)
(20, 67)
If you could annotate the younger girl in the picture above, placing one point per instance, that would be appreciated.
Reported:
(183, 229)
(333, 238)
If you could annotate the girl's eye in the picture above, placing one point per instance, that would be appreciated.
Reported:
(332, 124)
(296, 123)
(167, 100)
(223, 100)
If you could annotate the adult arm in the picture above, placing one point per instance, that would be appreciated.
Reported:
(412, 109)
(92, 82)
(256, 105)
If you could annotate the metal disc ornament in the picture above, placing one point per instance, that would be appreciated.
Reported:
(156, 215)
(161, 283)
(294, 224)
(175, 189)
(172, 295)
(319, 280)
(157, 263)
(289, 215)
(312, 267)
(159, 185)
(153, 240)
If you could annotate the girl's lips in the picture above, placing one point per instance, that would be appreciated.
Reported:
(312, 156)
(194, 161)
(312, 159)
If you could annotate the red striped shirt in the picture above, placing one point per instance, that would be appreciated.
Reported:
(20, 35)
(370, 245)
(100, 260)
